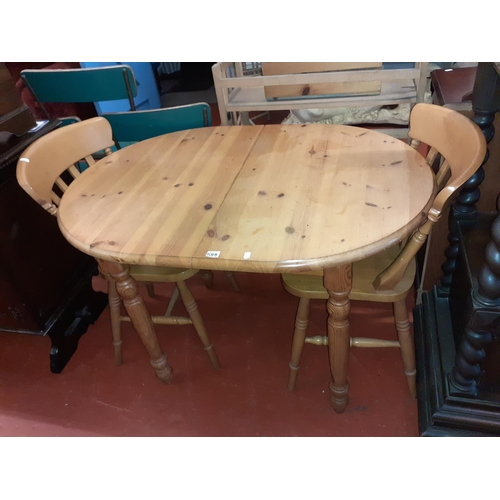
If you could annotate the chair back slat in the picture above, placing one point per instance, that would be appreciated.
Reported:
(141, 125)
(56, 201)
(43, 164)
(90, 160)
(443, 174)
(431, 156)
(462, 147)
(73, 171)
(106, 83)
(61, 184)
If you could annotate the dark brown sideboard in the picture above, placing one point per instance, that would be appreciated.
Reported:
(45, 283)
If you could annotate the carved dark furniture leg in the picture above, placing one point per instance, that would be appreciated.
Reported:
(464, 206)
(126, 287)
(338, 283)
(483, 318)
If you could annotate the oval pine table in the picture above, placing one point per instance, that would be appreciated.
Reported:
(261, 199)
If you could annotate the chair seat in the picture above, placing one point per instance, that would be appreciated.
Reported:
(158, 274)
(364, 272)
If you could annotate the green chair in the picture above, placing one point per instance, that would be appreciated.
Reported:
(130, 127)
(82, 85)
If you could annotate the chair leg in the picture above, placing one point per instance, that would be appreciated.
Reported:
(114, 313)
(151, 290)
(299, 336)
(406, 344)
(199, 326)
(232, 280)
(208, 277)
(173, 300)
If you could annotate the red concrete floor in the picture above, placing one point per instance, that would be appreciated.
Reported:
(252, 333)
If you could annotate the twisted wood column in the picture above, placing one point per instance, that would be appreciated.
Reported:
(464, 206)
(338, 283)
(484, 319)
(484, 301)
(126, 287)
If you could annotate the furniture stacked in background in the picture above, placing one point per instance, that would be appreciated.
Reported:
(45, 284)
(241, 89)
(73, 86)
(147, 95)
(56, 109)
(456, 326)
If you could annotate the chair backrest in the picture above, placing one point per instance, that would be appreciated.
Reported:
(140, 125)
(107, 83)
(47, 167)
(462, 147)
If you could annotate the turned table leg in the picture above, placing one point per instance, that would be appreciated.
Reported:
(140, 318)
(338, 283)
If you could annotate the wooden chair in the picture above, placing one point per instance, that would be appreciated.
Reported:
(389, 276)
(45, 170)
(108, 83)
(131, 127)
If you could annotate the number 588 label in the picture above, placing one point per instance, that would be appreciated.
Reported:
(213, 254)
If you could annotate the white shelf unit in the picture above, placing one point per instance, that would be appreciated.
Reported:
(238, 94)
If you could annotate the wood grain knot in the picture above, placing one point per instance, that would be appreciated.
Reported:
(306, 90)
(225, 237)
(397, 162)
(176, 185)
(262, 193)
(211, 233)
(289, 230)
(120, 192)
(281, 195)
(191, 184)
(371, 204)
(208, 206)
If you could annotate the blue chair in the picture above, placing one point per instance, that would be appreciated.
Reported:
(81, 85)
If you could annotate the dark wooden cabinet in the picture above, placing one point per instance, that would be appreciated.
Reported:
(457, 325)
(45, 283)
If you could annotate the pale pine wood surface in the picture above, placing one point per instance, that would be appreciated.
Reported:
(296, 197)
